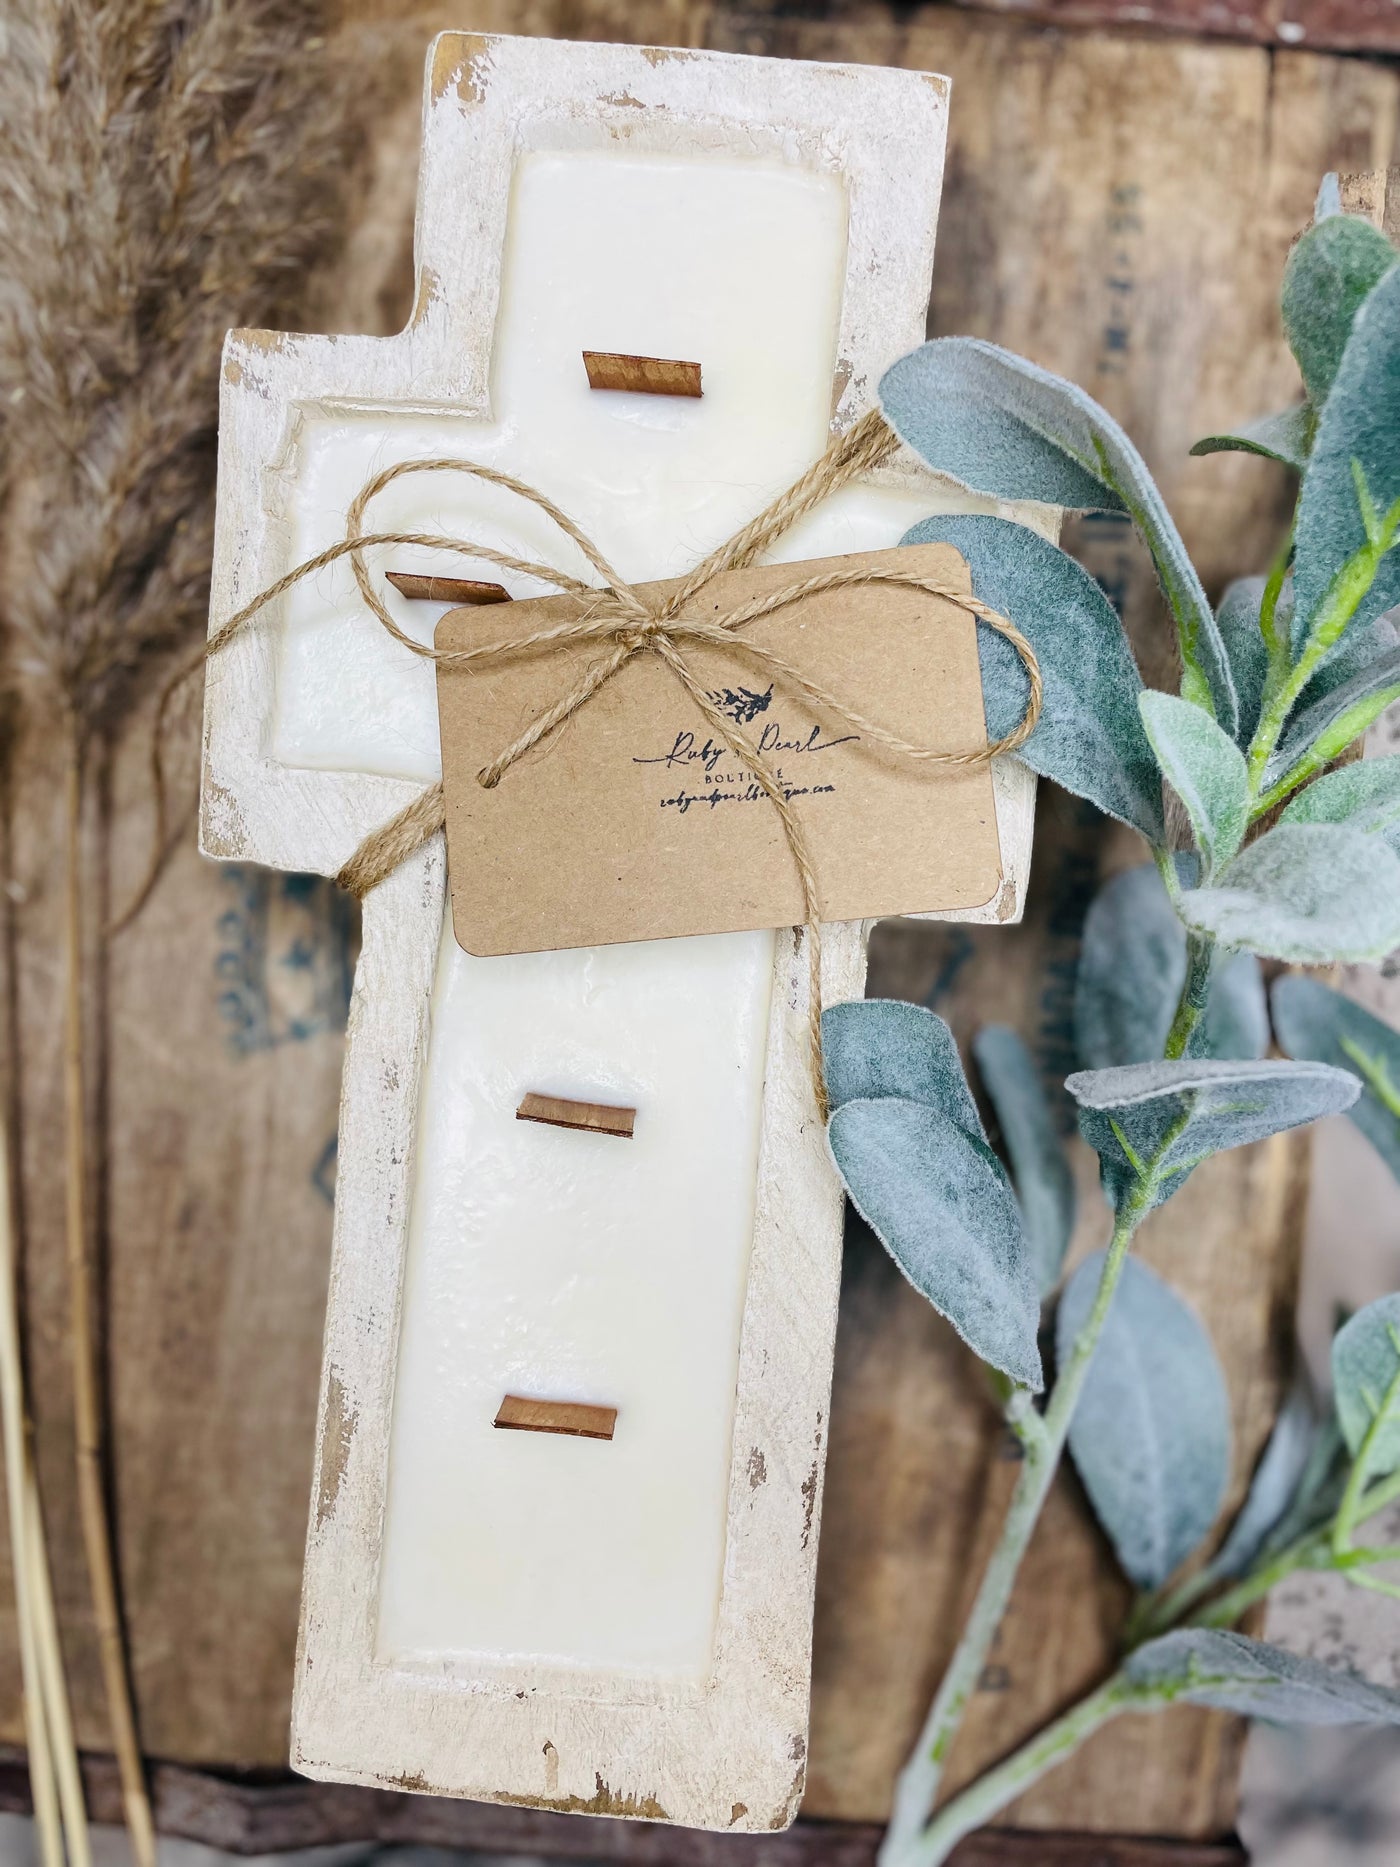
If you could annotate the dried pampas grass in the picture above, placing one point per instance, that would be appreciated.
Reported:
(168, 168)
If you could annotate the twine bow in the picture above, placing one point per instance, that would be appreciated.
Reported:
(620, 617)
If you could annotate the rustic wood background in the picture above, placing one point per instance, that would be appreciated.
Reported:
(1118, 206)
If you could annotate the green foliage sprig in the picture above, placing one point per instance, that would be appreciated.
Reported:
(1284, 860)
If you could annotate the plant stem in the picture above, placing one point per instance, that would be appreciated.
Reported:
(1348, 590)
(1153, 1614)
(991, 1793)
(87, 1409)
(14, 1425)
(917, 1787)
(1309, 1552)
(1195, 993)
(1348, 1517)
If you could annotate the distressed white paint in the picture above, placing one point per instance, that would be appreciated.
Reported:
(710, 1731)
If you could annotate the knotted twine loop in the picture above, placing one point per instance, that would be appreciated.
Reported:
(617, 614)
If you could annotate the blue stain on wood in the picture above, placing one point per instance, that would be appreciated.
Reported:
(286, 958)
(323, 1173)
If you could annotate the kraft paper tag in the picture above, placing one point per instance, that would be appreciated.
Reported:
(634, 821)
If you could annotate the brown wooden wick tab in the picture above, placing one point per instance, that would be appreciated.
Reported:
(559, 1112)
(608, 369)
(575, 1421)
(446, 589)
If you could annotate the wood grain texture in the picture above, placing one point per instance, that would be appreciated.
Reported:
(608, 369)
(287, 1813)
(1317, 25)
(596, 1117)
(216, 1305)
(466, 590)
(1376, 196)
(517, 1414)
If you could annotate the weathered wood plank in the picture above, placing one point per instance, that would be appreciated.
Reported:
(222, 1017)
(262, 1818)
(1317, 25)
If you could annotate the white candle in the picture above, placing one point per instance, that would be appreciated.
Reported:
(543, 1262)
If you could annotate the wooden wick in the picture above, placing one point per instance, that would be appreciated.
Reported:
(519, 1415)
(560, 1112)
(607, 369)
(446, 589)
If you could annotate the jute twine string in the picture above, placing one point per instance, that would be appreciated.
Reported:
(621, 616)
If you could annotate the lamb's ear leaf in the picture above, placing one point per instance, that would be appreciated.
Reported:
(1150, 1437)
(1364, 796)
(1205, 768)
(1321, 1490)
(1039, 1165)
(1238, 621)
(1167, 1117)
(1285, 437)
(1330, 273)
(1365, 1364)
(1307, 892)
(1274, 1486)
(1230, 1672)
(1315, 1022)
(1329, 196)
(1328, 720)
(938, 1200)
(1089, 737)
(1357, 433)
(1132, 964)
(877, 1047)
(1000, 425)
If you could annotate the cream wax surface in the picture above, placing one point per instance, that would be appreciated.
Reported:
(543, 1262)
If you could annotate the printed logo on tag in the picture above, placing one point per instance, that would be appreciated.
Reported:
(636, 821)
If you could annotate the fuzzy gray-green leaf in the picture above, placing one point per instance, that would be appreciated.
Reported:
(1274, 1486)
(1170, 1116)
(1330, 273)
(1230, 1672)
(1000, 425)
(1238, 620)
(1150, 1437)
(1364, 796)
(1039, 1165)
(1365, 1367)
(1315, 1022)
(939, 1201)
(1309, 892)
(877, 1047)
(1236, 1021)
(1132, 966)
(1357, 427)
(1205, 768)
(1089, 737)
(1285, 437)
